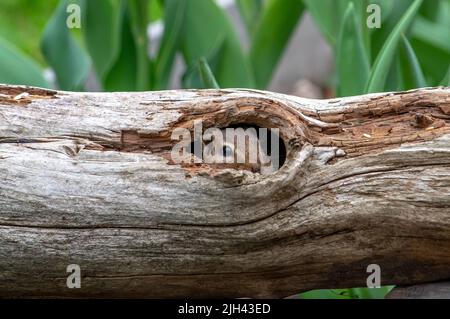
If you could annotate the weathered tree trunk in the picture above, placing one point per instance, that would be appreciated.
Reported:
(87, 179)
(438, 290)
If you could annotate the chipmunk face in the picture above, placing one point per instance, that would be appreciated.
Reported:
(245, 148)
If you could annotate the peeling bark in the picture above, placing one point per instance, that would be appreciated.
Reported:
(87, 179)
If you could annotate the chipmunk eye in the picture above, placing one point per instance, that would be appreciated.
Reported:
(227, 151)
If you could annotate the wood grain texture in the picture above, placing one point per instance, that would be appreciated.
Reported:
(435, 290)
(87, 178)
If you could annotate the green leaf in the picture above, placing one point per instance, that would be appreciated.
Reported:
(443, 16)
(370, 293)
(326, 294)
(69, 61)
(16, 68)
(430, 9)
(156, 10)
(352, 61)
(326, 14)
(446, 80)
(433, 33)
(385, 57)
(138, 10)
(22, 22)
(204, 23)
(122, 76)
(101, 27)
(271, 36)
(394, 80)
(174, 16)
(361, 18)
(412, 72)
(433, 60)
(391, 13)
(352, 293)
(192, 78)
(329, 14)
(206, 74)
(250, 11)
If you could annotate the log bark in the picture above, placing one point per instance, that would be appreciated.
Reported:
(435, 290)
(87, 179)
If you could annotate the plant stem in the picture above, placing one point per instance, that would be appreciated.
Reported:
(139, 21)
(206, 74)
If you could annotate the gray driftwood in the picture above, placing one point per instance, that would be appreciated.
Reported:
(86, 179)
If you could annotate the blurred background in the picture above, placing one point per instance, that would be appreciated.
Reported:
(309, 48)
(312, 48)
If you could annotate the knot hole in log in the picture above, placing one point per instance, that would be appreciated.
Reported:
(242, 146)
(257, 135)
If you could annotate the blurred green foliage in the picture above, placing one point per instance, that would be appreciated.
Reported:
(411, 49)
(22, 23)
(113, 42)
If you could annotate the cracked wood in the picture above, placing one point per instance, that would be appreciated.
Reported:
(86, 178)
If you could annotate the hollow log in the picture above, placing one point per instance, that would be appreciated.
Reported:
(87, 179)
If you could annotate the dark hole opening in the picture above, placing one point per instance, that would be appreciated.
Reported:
(226, 150)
